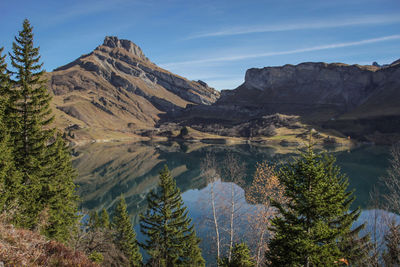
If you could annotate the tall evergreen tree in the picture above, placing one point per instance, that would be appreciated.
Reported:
(240, 257)
(58, 191)
(192, 252)
(44, 161)
(27, 114)
(9, 177)
(94, 220)
(125, 236)
(171, 240)
(98, 220)
(316, 223)
(104, 219)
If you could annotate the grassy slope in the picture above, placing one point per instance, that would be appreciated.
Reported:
(20, 247)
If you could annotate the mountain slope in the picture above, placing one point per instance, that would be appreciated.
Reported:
(356, 100)
(116, 90)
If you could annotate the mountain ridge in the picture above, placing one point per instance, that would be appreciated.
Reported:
(352, 99)
(115, 92)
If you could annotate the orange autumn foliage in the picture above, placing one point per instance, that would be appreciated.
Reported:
(264, 188)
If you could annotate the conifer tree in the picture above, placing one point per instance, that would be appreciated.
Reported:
(9, 177)
(125, 236)
(58, 191)
(104, 219)
(41, 156)
(192, 252)
(316, 223)
(29, 110)
(171, 240)
(5, 167)
(27, 113)
(94, 220)
(240, 257)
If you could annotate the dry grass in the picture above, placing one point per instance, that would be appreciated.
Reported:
(20, 247)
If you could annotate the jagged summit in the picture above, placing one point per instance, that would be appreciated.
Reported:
(131, 47)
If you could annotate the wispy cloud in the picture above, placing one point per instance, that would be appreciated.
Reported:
(278, 53)
(70, 12)
(364, 20)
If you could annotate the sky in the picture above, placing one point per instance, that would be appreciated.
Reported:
(212, 40)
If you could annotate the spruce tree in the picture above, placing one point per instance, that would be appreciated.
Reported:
(170, 237)
(58, 191)
(240, 257)
(125, 236)
(9, 177)
(28, 113)
(104, 219)
(99, 220)
(94, 220)
(316, 223)
(192, 252)
(47, 188)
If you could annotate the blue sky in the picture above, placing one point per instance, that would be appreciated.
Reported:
(215, 41)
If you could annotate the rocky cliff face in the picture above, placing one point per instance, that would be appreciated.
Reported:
(116, 88)
(334, 95)
(307, 88)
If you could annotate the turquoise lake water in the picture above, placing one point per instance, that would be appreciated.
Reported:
(108, 170)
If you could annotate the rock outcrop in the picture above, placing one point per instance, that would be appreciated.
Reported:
(307, 88)
(116, 88)
(356, 100)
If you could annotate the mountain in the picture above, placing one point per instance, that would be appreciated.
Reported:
(115, 90)
(360, 101)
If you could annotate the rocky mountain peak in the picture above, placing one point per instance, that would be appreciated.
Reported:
(131, 47)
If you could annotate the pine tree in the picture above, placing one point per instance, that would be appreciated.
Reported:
(9, 177)
(171, 240)
(125, 236)
(240, 257)
(316, 223)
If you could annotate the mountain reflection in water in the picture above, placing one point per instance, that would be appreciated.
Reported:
(108, 170)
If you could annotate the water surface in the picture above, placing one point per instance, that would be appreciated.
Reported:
(108, 170)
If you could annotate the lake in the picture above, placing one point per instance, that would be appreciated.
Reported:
(108, 170)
